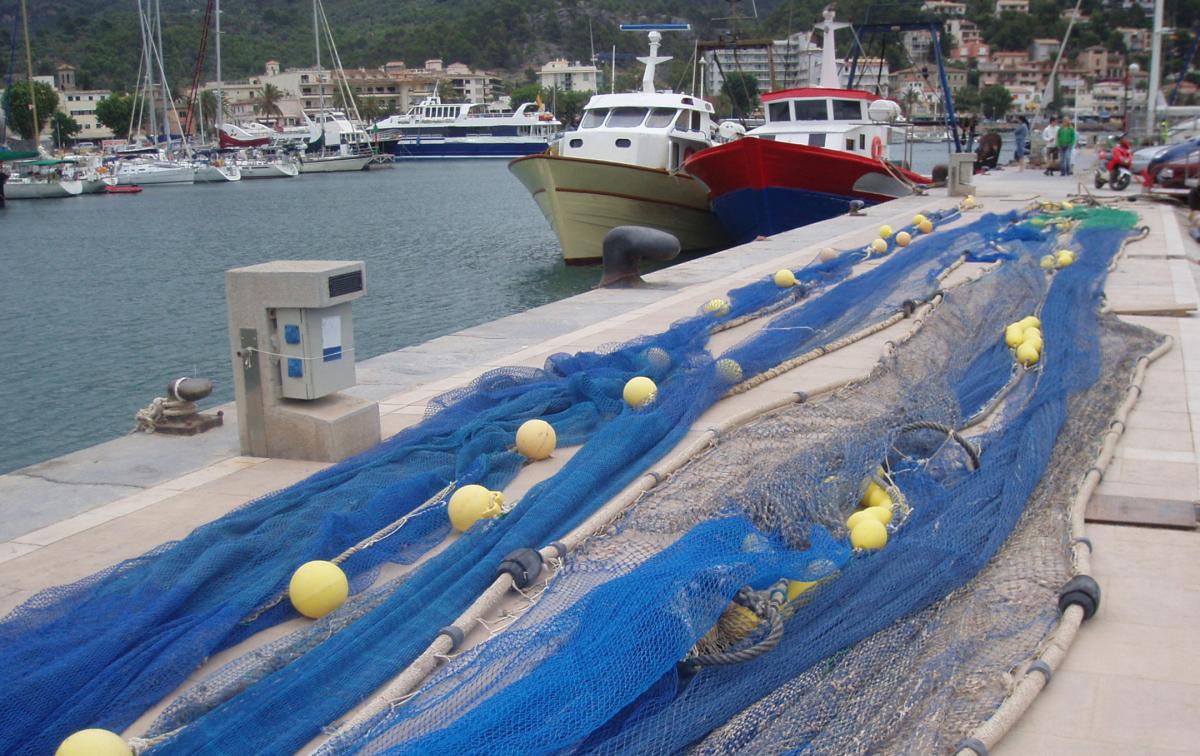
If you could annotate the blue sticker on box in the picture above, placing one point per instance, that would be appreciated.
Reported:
(291, 334)
(295, 367)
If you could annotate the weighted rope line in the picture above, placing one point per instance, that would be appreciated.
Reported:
(1054, 648)
(341, 350)
(367, 542)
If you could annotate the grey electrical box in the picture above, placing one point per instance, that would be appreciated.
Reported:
(317, 348)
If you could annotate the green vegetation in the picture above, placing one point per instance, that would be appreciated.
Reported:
(267, 102)
(63, 127)
(741, 90)
(20, 116)
(116, 113)
(995, 101)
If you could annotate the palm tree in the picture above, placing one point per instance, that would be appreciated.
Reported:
(268, 100)
(911, 98)
(208, 105)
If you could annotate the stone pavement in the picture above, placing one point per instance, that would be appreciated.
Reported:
(1129, 683)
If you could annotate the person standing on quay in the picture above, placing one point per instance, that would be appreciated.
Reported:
(1066, 146)
(1050, 144)
(1020, 136)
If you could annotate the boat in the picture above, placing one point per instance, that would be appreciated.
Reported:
(263, 168)
(38, 187)
(116, 189)
(147, 172)
(434, 129)
(341, 145)
(624, 167)
(821, 148)
(218, 171)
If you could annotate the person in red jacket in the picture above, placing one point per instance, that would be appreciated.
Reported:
(1121, 156)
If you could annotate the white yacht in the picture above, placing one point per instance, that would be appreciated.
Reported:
(435, 129)
(216, 171)
(255, 167)
(623, 167)
(342, 146)
(147, 172)
(41, 187)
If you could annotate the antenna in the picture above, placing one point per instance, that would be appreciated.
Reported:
(654, 58)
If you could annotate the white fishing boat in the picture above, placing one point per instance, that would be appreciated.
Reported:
(149, 172)
(434, 129)
(623, 167)
(37, 187)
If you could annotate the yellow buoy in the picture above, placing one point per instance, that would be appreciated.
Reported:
(658, 358)
(1067, 205)
(879, 246)
(869, 533)
(1047, 262)
(797, 588)
(903, 238)
(925, 226)
(918, 219)
(536, 439)
(1064, 258)
(855, 518)
(718, 308)
(881, 513)
(1035, 342)
(473, 503)
(1031, 332)
(94, 742)
(785, 278)
(639, 391)
(317, 588)
(729, 370)
(885, 232)
(876, 497)
(827, 254)
(1030, 321)
(1027, 354)
(1013, 335)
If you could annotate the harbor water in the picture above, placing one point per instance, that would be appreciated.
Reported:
(107, 298)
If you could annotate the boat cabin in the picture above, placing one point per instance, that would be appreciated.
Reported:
(848, 120)
(432, 117)
(652, 130)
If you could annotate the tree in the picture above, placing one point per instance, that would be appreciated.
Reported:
(17, 107)
(208, 106)
(116, 112)
(742, 91)
(995, 101)
(268, 99)
(568, 105)
(63, 127)
(445, 91)
(528, 93)
(912, 96)
(966, 100)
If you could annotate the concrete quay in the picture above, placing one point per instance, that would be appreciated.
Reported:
(1131, 682)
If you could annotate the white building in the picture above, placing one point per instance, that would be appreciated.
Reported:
(1043, 49)
(1016, 6)
(80, 104)
(795, 62)
(569, 77)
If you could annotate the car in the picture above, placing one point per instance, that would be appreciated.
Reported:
(1175, 169)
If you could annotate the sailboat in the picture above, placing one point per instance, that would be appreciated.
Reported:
(342, 145)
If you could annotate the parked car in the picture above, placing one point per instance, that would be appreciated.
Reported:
(1175, 169)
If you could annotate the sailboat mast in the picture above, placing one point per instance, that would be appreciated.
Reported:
(166, 122)
(320, 81)
(148, 46)
(1155, 69)
(220, 92)
(37, 133)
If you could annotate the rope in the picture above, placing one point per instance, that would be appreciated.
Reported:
(972, 452)
(768, 611)
(161, 408)
(367, 542)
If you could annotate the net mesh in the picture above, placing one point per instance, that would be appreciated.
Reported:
(100, 652)
(902, 650)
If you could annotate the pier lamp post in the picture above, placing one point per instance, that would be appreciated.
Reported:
(1130, 71)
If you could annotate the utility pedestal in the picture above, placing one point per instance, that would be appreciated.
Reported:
(961, 172)
(292, 340)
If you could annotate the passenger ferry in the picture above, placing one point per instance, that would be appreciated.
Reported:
(435, 129)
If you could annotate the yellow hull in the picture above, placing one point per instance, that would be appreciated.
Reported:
(585, 199)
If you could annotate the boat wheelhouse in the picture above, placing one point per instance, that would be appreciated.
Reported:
(434, 129)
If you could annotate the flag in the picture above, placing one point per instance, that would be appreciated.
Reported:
(540, 104)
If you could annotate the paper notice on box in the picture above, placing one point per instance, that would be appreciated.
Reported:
(331, 338)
